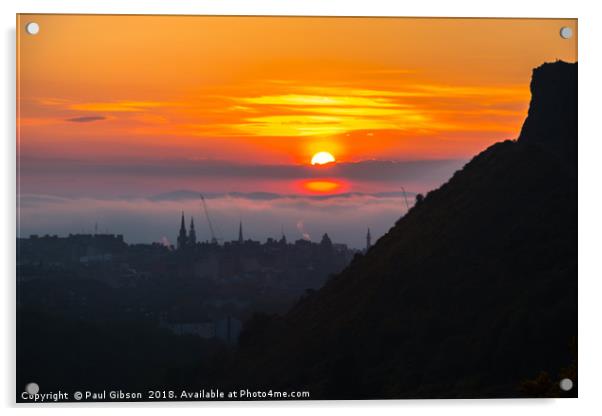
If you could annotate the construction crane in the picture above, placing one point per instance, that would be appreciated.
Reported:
(405, 198)
(204, 206)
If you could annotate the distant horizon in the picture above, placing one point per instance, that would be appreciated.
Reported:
(162, 225)
(171, 245)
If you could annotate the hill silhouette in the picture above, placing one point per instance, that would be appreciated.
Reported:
(473, 293)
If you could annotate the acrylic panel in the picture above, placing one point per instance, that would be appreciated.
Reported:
(295, 208)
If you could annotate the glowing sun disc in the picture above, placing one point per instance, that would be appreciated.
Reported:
(322, 158)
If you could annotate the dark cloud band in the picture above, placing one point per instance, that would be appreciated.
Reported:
(87, 119)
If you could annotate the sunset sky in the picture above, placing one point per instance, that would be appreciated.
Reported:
(120, 116)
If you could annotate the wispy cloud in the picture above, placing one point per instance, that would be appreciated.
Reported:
(319, 100)
(186, 195)
(333, 110)
(180, 180)
(85, 119)
(369, 170)
(116, 106)
(299, 109)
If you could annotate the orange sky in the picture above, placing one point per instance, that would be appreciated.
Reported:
(276, 90)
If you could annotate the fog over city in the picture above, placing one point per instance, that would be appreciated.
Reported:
(143, 201)
(345, 218)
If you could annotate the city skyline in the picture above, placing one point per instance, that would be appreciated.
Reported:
(203, 234)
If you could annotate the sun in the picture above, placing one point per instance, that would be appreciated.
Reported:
(322, 158)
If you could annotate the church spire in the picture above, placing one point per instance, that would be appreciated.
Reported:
(192, 233)
(240, 236)
(368, 240)
(182, 234)
(282, 236)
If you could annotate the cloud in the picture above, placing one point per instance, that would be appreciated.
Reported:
(117, 106)
(333, 112)
(371, 170)
(318, 100)
(178, 179)
(295, 109)
(185, 195)
(85, 119)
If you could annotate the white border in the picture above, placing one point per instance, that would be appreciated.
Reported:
(590, 206)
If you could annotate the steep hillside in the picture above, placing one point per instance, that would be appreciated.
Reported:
(471, 293)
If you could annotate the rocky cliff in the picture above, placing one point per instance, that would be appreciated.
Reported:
(471, 294)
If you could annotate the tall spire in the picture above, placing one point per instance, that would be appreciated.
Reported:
(182, 234)
(192, 233)
(240, 237)
(368, 240)
(282, 236)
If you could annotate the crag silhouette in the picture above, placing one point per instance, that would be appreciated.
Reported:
(473, 293)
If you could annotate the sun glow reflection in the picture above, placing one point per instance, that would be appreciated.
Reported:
(323, 186)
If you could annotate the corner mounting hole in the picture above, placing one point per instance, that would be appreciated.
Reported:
(566, 384)
(32, 28)
(566, 32)
(32, 388)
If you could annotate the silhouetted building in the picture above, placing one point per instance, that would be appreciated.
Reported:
(78, 248)
(368, 240)
(182, 238)
(326, 242)
(283, 237)
(192, 233)
(240, 236)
